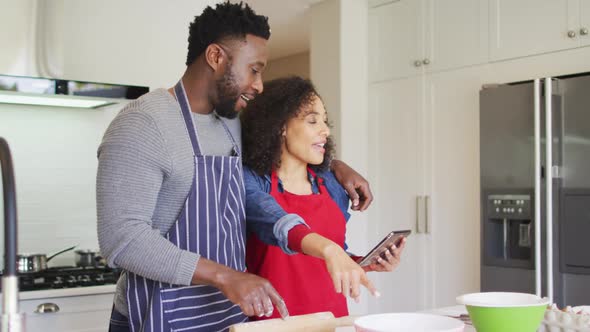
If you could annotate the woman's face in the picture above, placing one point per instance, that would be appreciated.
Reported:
(305, 134)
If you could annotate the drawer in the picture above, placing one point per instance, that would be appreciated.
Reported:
(76, 313)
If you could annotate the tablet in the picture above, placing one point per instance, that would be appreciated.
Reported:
(391, 238)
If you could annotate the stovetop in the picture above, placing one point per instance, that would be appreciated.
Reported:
(67, 277)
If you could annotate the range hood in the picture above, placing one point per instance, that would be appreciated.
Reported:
(38, 91)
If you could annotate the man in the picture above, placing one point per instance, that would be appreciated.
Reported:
(170, 195)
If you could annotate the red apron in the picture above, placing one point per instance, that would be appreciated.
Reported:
(303, 281)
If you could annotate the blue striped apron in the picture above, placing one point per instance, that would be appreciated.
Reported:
(212, 224)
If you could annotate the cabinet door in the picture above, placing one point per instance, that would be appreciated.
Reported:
(527, 27)
(87, 313)
(584, 30)
(395, 40)
(456, 33)
(396, 173)
(453, 181)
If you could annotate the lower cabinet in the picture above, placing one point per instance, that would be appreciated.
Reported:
(85, 313)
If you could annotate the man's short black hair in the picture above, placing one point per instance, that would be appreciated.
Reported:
(226, 20)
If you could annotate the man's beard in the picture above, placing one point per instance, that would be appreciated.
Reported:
(227, 94)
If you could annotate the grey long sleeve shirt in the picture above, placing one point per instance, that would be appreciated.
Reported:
(144, 175)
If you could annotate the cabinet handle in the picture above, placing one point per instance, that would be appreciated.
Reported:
(417, 63)
(418, 228)
(47, 308)
(583, 31)
(426, 62)
(426, 219)
(571, 34)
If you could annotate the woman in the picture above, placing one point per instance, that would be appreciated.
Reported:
(287, 153)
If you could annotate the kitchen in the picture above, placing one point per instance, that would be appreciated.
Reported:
(427, 63)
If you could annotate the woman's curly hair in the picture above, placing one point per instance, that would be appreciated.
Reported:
(266, 116)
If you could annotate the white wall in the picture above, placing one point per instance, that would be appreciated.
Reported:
(297, 64)
(54, 155)
(325, 59)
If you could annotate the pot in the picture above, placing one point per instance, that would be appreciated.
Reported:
(36, 262)
(89, 258)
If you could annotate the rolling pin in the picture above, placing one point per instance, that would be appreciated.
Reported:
(316, 322)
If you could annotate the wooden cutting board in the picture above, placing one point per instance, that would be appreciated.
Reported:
(317, 322)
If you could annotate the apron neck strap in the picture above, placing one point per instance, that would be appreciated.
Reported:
(185, 107)
(274, 180)
(186, 114)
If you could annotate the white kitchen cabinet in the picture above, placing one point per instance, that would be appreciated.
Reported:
(456, 34)
(395, 172)
(528, 27)
(424, 138)
(452, 182)
(395, 40)
(85, 313)
(409, 37)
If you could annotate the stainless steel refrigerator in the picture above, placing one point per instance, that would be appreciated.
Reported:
(535, 218)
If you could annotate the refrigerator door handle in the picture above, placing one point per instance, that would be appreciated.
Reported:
(549, 184)
(505, 238)
(537, 203)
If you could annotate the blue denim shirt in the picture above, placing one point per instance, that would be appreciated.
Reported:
(267, 219)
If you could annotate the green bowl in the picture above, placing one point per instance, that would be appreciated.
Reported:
(504, 312)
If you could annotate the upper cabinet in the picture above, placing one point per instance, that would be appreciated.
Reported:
(395, 40)
(456, 34)
(409, 37)
(527, 27)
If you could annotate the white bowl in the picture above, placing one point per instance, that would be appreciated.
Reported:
(407, 322)
(502, 300)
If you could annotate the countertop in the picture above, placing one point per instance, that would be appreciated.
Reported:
(64, 292)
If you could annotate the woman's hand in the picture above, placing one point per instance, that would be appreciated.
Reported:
(346, 274)
(391, 261)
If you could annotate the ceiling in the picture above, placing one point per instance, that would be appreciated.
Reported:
(289, 22)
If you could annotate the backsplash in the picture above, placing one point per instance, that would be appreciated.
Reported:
(54, 156)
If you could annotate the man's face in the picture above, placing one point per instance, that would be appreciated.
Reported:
(242, 78)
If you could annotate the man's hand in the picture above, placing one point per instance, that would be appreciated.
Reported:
(355, 185)
(254, 295)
